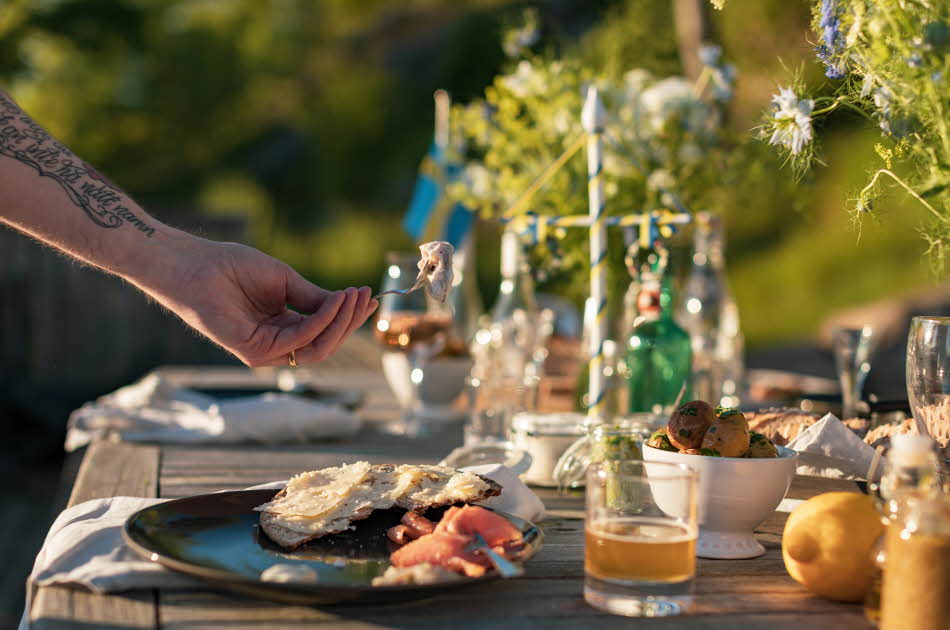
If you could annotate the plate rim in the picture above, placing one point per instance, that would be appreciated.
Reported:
(212, 574)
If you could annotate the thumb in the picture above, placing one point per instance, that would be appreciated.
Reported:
(303, 295)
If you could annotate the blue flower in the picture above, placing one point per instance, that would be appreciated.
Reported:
(830, 22)
(833, 43)
(835, 69)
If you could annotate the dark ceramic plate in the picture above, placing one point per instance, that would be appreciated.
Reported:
(216, 537)
(347, 398)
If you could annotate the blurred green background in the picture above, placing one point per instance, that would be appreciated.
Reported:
(310, 118)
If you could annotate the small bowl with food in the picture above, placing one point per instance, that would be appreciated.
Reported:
(743, 476)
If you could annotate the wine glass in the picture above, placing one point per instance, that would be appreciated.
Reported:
(928, 373)
(852, 350)
(415, 326)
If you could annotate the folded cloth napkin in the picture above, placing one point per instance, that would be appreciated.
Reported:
(828, 448)
(152, 410)
(84, 546)
(516, 498)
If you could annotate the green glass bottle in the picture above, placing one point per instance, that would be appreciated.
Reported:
(658, 351)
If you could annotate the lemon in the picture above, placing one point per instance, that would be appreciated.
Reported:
(828, 544)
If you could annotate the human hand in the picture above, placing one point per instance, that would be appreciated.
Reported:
(238, 297)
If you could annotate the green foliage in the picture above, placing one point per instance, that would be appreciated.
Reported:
(894, 62)
(661, 141)
(311, 116)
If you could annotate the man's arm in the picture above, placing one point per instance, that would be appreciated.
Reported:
(235, 295)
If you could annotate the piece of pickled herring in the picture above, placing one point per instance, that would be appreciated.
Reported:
(436, 266)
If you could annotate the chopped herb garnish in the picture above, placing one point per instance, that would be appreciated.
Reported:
(711, 452)
(729, 412)
(687, 411)
(683, 433)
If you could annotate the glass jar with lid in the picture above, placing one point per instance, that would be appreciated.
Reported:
(545, 436)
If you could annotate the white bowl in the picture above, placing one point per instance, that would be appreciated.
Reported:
(735, 495)
(443, 379)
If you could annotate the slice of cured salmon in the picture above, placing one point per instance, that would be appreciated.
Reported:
(446, 545)
(468, 519)
(444, 550)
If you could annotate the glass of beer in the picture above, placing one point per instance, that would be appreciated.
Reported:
(640, 537)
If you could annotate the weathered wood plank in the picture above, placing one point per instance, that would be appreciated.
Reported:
(60, 607)
(107, 470)
(114, 469)
(532, 602)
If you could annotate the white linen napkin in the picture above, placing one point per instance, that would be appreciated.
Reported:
(828, 448)
(516, 498)
(152, 410)
(84, 545)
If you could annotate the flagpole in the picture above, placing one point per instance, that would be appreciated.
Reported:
(443, 104)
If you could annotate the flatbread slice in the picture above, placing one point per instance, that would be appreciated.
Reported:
(302, 511)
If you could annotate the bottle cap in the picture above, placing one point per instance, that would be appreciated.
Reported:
(911, 450)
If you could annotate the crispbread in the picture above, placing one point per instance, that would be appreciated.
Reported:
(780, 425)
(414, 488)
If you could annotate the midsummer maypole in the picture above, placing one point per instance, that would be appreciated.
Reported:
(592, 118)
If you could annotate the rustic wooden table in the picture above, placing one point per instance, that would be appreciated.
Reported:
(745, 594)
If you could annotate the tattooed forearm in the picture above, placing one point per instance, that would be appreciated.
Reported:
(25, 141)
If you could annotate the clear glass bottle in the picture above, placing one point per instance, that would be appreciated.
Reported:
(515, 312)
(505, 339)
(464, 297)
(915, 592)
(658, 350)
(711, 317)
(910, 473)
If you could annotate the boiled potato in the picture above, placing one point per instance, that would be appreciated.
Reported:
(660, 440)
(730, 412)
(728, 436)
(760, 446)
(688, 424)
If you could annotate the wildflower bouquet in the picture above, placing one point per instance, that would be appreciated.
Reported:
(660, 140)
(892, 59)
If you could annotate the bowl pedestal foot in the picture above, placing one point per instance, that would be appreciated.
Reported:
(727, 545)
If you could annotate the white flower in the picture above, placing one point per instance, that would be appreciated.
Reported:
(637, 79)
(673, 98)
(526, 36)
(661, 180)
(785, 99)
(792, 120)
(616, 165)
(690, 153)
(525, 81)
(882, 100)
(562, 121)
(666, 94)
(478, 180)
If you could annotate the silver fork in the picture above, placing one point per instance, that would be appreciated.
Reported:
(505, 567)
(420, 280)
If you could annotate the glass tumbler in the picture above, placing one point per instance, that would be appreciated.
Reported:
(852, 350)
(640, 537)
